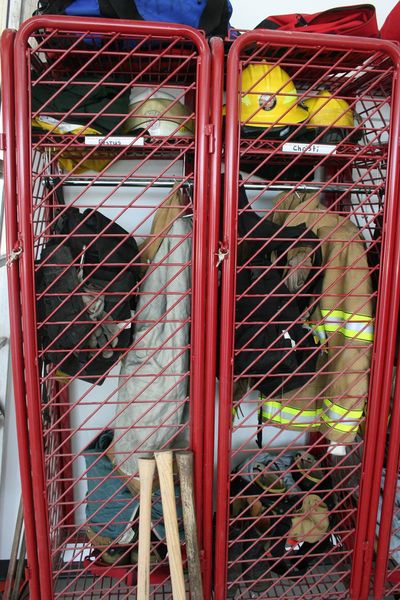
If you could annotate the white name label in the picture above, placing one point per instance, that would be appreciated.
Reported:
(307, 149)
(95, 140)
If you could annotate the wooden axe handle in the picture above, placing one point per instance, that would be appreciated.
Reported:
(166, 477)
(146, 473)
(185, 468)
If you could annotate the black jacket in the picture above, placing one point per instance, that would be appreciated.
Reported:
(270, 340)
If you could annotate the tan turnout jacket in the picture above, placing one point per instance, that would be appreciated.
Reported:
(333, 400)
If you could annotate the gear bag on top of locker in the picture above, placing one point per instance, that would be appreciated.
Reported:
(211, 16)
(390, 28)
(359, 20)
(86, 290)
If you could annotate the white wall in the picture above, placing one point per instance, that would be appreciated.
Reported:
(12, 12)
(246, 15)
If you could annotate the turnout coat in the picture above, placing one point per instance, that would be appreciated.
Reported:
(341, 317)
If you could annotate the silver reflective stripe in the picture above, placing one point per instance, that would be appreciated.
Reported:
(350, 325)
(340, 418)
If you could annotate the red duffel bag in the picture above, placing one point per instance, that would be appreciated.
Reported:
(390, 29)
(359, 20)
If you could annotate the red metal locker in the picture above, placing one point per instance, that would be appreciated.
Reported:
(311, 165)
(112, 129)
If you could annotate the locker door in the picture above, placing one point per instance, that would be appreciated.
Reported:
(112, 171)
(13, 252)
(308, 291)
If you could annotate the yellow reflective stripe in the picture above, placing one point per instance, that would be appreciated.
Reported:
(286, 415)
(346, 316)
(339, 425)
(351, 331)
(320, 332)
(333, 415)
(339, 411)
(350, 325)
(340, 418)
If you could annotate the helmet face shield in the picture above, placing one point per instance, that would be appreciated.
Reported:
(158, 114)
(275, 133)
(269, 98)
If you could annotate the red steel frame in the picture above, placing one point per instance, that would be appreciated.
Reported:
(386, 568)
(386, 315)
(24, 160)
(217, 53)
(13, 239)
(385, 343)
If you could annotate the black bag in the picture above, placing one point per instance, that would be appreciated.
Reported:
(84, 310)
(84, 102)
(271, 342)
(212, 16)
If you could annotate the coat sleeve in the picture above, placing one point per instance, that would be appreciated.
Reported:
(154, 376)
(344, 322)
